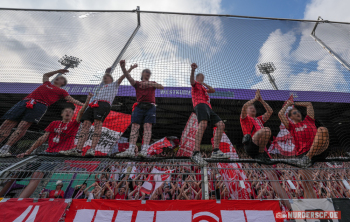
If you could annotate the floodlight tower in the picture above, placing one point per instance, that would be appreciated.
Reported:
(68, 62)
(268, 68)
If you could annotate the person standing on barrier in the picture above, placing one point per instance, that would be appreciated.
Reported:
(144, 111)
(96, 113)
(310, 141)
(255, 135)
(32, 108)
(205, 114)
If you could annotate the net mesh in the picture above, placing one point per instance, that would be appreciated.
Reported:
(167, 114)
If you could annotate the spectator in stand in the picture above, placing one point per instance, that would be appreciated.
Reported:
(79, 191)
(58, 192)
(60, 136)
(107, 193)
(205, 115)
(96, 113)
(144, 111)
(122, 194)
(310, 142)
(254, 126)
(32, 108)
(95, 193)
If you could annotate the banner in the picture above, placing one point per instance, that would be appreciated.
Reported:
(188, 139)
(284, 142)
(173, 211)
(157, 147)
(113, 127)
(313, 205)
(48, 210)
(225, 145)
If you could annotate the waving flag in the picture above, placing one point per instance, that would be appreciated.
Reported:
(157, 147)
(232, 173)
(188, 137)
(155, 179)
(284, 142)
(113, 127)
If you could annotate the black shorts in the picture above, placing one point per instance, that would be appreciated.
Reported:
(20, 112)
(99, 113)
(251, 149)
(204, 112)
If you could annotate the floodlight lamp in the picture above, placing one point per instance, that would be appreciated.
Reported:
(266, 68)
(69, 61)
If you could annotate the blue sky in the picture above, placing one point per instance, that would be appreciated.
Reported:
(293, 9)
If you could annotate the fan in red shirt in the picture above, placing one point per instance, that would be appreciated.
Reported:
(58, 192)
(310, 142)
(205, 115)
(32, 108)
(256, 136)
(144, 111)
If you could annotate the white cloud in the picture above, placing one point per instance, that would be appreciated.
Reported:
(334, 10)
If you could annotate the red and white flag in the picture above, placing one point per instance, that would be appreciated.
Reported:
(284, 142)
(48, 210)
(188, 138)
(155, 179)
(226, 145)
(113, 127)
(157, 147)
(232, 173)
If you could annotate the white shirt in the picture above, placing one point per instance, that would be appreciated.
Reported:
(107, 92)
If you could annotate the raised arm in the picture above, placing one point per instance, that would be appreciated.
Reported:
(282, 115)
(83, 108)
(249, 103)
(268, 109)
(37, 143)
(144, 85)
(126, 73)
(193, 69)
(309, 108)
(46, 76)
(74, 101)
(120, 80)
(210, 89)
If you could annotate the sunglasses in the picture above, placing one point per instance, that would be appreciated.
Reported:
(295, 112)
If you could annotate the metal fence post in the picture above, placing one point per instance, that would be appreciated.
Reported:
(205, 186)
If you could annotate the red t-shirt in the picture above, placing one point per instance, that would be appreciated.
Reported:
(59, 192)
(199, 94)
(145, 95)
(248, 122)
(47, 94)
(303, 134)
(65, 132)
(120, 197)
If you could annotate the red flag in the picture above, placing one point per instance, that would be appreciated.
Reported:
(158, 146)
(113, 127)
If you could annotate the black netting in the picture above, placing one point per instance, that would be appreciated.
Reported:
(232, 53)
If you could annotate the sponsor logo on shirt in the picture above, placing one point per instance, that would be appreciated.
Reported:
(48, 87)
(300, 128)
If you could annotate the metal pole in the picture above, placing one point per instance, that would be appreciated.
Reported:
(116, 61)
(205, 187)
(20, 163)
(272, 81)
(328, 49)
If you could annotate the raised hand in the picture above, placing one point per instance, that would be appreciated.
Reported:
(133, 66)
(90, 95)
(194, 66)
(122, 63)
(289, 103)
(257, 95)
